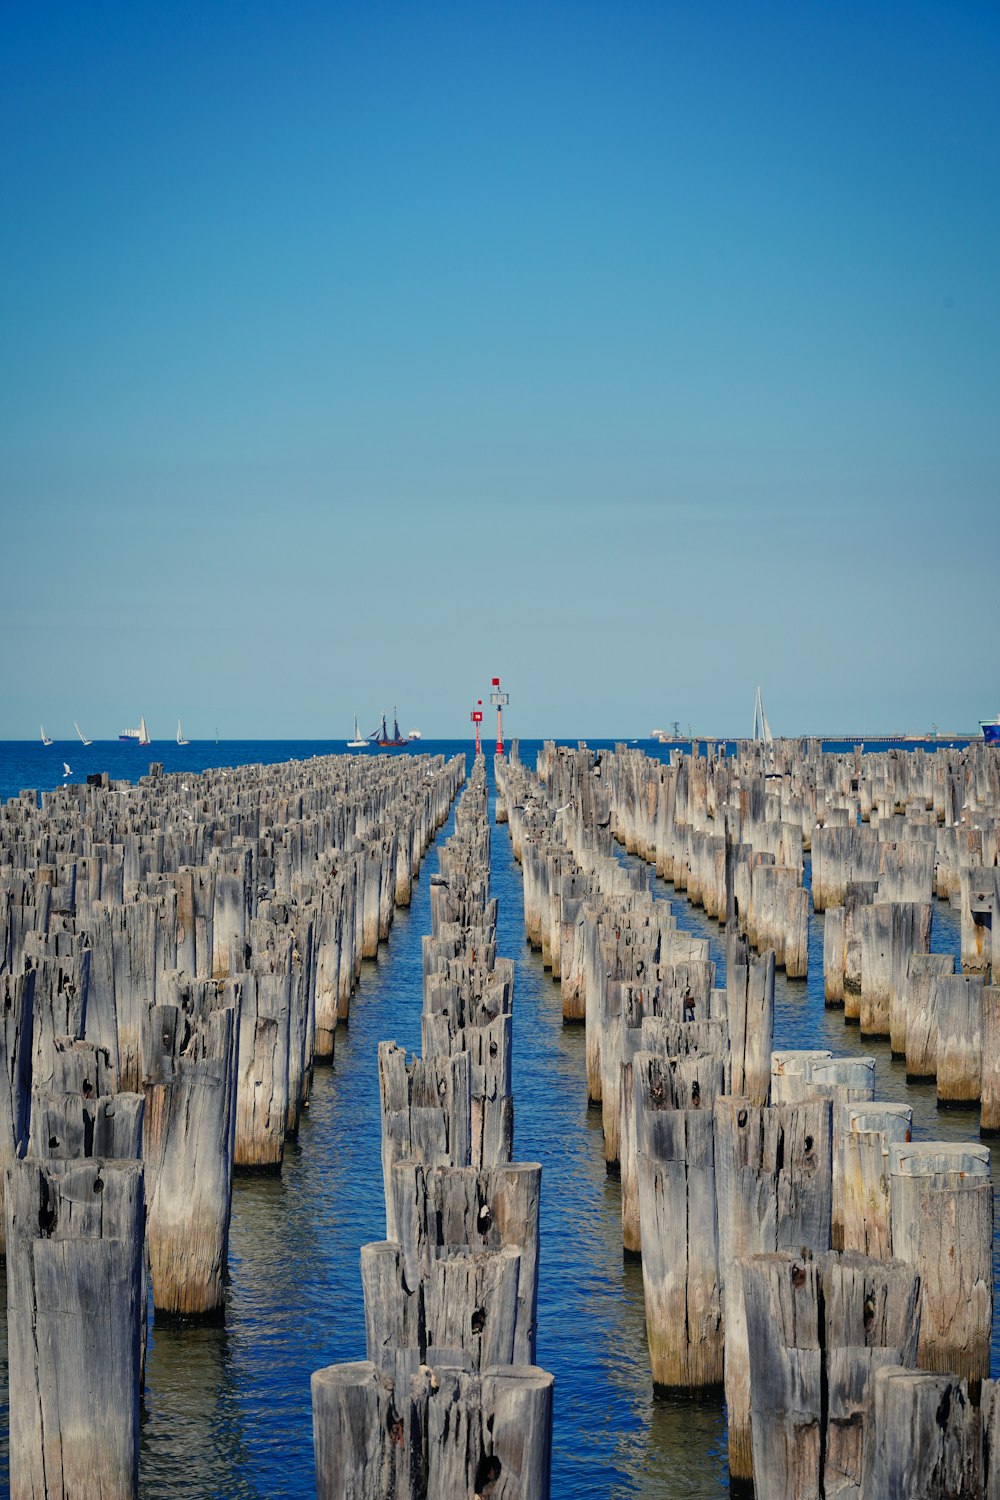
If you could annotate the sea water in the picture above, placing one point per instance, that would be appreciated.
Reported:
(227, 1408)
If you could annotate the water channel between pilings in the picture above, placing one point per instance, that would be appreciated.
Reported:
(227, 1408)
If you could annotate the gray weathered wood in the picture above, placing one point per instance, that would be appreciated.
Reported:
(75, 1312)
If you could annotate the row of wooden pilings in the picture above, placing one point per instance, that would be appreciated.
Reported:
(448, 1403)
(888, 834)
(174, 957)
(798, 1247)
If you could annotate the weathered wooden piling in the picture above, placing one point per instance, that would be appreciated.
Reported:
(921, 1037)
(819, 1327)
(675, 1160)
(750, 1016)
(442, 1432)
(76, 1309)
(958, 1007)
(438, 1210)
(188, 1148)
(863, 1209)
(942, 1224)
(924, 1439)
(774, 1173)
(16, 1029)
(989, 1124)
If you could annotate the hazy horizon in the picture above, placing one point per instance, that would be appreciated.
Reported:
(638, 354)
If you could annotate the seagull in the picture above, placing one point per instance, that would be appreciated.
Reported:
(66, 770)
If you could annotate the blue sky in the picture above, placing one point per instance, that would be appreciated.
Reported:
(639, 353)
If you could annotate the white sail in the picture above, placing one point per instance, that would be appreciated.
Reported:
(143, 735)
(81, 733)
(45, 738)
(761, 728)
(359, 742)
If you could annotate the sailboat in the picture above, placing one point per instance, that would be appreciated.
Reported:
(47, 741)
(180, 738)
(359, 742)
(761, 728)
(136, 736)
(384, 741)
(81, 733)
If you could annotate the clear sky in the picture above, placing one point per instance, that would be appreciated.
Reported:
(637, 352)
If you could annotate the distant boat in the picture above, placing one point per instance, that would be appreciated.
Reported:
(761, 728)
(136, 736)
(216, 736)
(414, 734)
(45, 738)
(81, 734)
(180, 737)
(991, 731)
(359, 742)
(382, 737)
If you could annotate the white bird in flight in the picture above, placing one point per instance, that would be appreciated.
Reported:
(66, 770)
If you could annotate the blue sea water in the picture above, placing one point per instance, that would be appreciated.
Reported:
(227, 1408)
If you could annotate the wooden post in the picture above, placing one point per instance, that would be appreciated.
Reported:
(16, 1022)
(958, 1004)
(924, 1438)
(818, 1327)
(790, 1072)
(358, 1434)
(942, 1223)
(265, 1001)
(750, 1011)
(188, 1148)
(675, 1158)
(989, 1122)
(441, 1209)
(774, 1183)
(833, 956)
(923, 972)
(862, 1140)
(75, 1313)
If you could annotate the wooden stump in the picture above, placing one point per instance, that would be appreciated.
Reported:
(942, 1223)
(862, 1140)
(924, 1438)
(75, 1313)
(989, 1123)
(675, 1160)
(923, 972)
(16, 1005)
(833, 956)
(774, 1183)
(750, 1012)
(188, 1149)
(958, 1005)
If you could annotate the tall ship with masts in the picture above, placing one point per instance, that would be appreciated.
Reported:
(382, 737)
